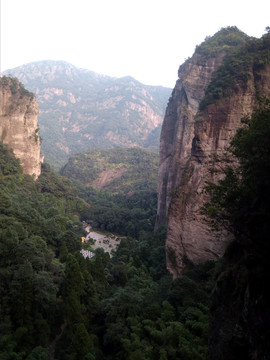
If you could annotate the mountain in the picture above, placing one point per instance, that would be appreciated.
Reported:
(124, 170)
(81, 110)
(219, 85)
(217, 94)
(18, 126)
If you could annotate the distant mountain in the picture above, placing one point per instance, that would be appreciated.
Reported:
(80, 109)
(125, 170)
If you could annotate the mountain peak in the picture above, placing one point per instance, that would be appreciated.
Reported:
(80, 109)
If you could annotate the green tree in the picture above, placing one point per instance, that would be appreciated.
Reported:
(82, 344)
(242, 198)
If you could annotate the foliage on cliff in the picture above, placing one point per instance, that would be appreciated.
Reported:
(15, 85)
(238, 67)
(225, 40)
(242, 201)
(242, 197)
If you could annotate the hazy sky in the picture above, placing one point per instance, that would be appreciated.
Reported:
(147, 39)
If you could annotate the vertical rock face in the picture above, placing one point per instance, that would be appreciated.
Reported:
(177, 131)
(189, 139)
(18, 124)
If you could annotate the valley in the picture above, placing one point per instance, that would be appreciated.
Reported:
(81, 110)
(186, 277)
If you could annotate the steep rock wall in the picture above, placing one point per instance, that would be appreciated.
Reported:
(178, 127)
(18, 124)
(189, 139)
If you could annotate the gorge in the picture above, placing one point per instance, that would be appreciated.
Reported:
(189, 291)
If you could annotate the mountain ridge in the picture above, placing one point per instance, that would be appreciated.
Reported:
(81, 109)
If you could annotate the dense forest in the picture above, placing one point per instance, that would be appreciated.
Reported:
(126, 203)
(55, 304)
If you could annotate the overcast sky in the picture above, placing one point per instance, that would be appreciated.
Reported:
(146, 39)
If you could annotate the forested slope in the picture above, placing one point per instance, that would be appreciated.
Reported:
(57, 305)
(81, 109)
(121, 170)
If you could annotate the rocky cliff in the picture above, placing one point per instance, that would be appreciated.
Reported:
(18, 125)
(215, 89)
(82, 110)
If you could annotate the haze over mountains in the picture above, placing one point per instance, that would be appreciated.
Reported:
(80, 109)
(213, 197)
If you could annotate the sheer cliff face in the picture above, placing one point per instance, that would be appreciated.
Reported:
(18, 126)
(188, 141)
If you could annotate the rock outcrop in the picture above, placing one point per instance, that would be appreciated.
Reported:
(18, 124)
(81, 110)
(189, 140)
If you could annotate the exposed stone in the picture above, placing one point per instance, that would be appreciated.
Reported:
(18, 126)
(107, 176)
(82, 110)
(188, 141)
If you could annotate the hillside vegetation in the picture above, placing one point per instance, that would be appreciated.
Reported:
(58, 305)
(120, 184)
(121, 170)
(247, 59)
(81, 110)
(55, 304)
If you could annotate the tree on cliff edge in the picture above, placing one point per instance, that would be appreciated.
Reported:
(240, 301)
(242, 198)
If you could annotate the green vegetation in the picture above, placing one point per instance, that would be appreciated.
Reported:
(34, 221)
(225, 40)
(241, 199)
(57, 305)
(241, 202)
(125, 215)
(125, 205)
(81, 110)
(138, 168)
(15, 86)
(237, 68)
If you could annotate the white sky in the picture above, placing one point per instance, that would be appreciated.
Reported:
(146, 39)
